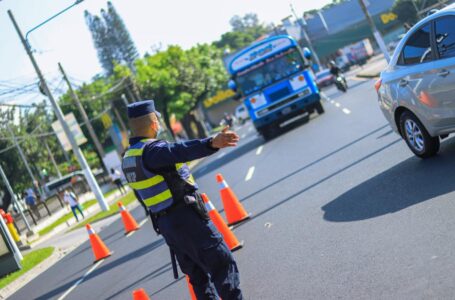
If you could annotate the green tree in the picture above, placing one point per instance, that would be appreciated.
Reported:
(101, 42)
(178, 80)
(127, 51)
(245, 30)
(111, 39)
(31, 127)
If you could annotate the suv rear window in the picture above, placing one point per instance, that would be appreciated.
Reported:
(445, 36)
(418, 47)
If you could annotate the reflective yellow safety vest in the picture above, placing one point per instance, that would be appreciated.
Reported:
(155, 190)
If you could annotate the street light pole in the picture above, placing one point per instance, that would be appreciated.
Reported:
(376, 33)
(77, 151)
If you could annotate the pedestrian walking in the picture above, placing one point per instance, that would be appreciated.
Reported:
(116, 177)
(156, 170)
(32, 202)
(72, 200)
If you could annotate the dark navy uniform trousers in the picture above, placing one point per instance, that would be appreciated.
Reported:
(202, 254)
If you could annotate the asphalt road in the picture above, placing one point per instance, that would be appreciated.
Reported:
(340, 210)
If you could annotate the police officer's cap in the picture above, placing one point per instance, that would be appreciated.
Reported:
(142, 108)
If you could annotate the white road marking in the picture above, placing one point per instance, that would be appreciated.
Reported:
(243, 136)
(346, 111)
(332, 101)
(250, 173)
(258, 152)
(325, 96)
(337, 104)
(140, 225)
(143, 222)
(221, 155)
(81, 280)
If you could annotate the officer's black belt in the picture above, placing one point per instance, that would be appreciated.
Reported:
(167, 211)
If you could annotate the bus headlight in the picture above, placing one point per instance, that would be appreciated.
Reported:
(257, 100)
(298, 82)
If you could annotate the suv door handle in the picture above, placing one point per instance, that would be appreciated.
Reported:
(444, 73)
(403, 82)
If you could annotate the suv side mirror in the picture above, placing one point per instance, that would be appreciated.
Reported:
(232, 85)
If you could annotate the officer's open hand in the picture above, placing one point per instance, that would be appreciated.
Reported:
(226, 138)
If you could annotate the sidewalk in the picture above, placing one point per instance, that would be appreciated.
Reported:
(373, 68)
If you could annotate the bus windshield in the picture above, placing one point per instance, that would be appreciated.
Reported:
(268, 71)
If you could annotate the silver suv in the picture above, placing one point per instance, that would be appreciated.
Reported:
(417, 89)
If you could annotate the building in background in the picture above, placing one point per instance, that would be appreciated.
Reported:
(344, 24)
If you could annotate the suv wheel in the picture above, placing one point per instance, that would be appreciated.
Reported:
(417, 137)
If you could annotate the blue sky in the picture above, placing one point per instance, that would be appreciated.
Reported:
(66, 39)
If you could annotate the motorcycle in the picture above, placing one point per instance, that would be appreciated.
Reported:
(341, 83)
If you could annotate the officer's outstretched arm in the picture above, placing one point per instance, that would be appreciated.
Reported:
(162, 153)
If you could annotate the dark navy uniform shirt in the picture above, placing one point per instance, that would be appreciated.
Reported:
(162, 154)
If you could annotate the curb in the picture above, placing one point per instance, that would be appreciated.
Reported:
(369, 76)
(31, 274)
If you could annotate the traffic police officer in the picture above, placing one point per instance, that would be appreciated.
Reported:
(156, 170)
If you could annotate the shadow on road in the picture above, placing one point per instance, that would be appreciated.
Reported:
(409, 183)
(112, 264)
(315, 162)
(161, 270)
(323, 180)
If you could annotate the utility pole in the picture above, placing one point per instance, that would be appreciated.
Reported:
(125, 100)
(376, 33)
(81, 109)
(119, 118)
(305, 36)
(77, 151)
(14, 199)
(415, 6)
(132, 90)
(22, 155)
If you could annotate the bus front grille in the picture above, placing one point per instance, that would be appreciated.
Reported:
(279, 94)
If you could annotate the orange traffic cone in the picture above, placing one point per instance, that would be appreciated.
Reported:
(99, 248)
(140, 294)
(128, 221)
(235, 213)
(190, 288)
(216, 218)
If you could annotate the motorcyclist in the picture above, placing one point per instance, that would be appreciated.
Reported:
(334, 69)
(337, 73)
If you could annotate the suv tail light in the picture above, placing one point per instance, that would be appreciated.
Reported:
(377, 85)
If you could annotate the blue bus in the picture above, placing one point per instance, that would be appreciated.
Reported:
(274, 79)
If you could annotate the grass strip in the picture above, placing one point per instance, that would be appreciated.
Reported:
(29, 262)
(70, 215)
(113, 209)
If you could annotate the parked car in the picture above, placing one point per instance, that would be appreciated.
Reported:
(324, 78)
(241, 114)
(417, 89)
